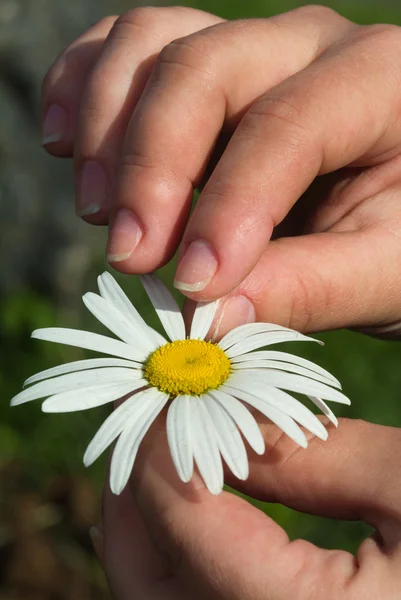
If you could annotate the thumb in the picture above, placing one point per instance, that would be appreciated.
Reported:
(320, 281)
(353, 475)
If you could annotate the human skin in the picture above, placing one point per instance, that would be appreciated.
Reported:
(301, 95)
(165, 540)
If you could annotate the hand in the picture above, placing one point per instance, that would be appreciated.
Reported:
(303, 94)
(183, 543)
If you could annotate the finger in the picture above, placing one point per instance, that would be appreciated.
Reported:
(351, 476)
(133, 567)
(112, 92)
(222, 545)
(327, 280)
(199, 84)
(194, 529)
(63, 87)
(308, 125)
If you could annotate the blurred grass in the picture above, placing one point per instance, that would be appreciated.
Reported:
(44, 445)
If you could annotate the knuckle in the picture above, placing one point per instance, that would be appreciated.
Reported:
(144, 18)
(189, 53)
(381, 36)
(303, 303)
(290, 112)
(320, 12)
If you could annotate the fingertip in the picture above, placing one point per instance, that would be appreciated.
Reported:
(125, 235)
(196, 267)
(234, 311)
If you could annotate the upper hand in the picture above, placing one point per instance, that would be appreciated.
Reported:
(302, 94)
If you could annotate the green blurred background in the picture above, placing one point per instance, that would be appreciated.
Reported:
(47, 500)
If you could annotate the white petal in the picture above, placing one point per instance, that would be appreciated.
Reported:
(82, 365)
(245, 421)
(290, 382)
(122, 417)
(205, 447)
(118, 323)
(250, 329)
(325, 409)
(280, 366)
(111, 291)
(286, 423)
(64, 383)
(180, 436)
(228, 438)
(287, 404)
(266, 339)
(293, 359)
(130, 439)
(165, 306)
(89, 396)
(203, 319)
(89, 341)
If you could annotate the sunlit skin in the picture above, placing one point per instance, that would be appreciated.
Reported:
(303, 94)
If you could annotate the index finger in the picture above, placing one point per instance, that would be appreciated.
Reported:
(340, 110)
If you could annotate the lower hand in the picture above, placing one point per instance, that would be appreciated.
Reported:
(182, 543)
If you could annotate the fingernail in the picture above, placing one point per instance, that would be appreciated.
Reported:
(124, 236)
(96, 536)
(235, 311)
(92, 195)
(54, 124)
(196, 267)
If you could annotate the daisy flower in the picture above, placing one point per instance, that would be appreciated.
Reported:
(204, 384)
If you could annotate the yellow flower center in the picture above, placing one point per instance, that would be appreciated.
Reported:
(187, 367)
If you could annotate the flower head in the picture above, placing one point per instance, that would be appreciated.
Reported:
(204, 385)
